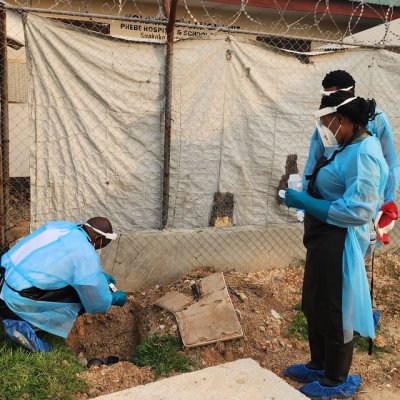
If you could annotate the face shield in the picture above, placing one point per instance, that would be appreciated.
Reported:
(109, 236)
(327, 136)
(329, 92)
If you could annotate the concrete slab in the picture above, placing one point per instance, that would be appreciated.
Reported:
(238, 380)
(208, 320)
(212, 318)
(174, 301)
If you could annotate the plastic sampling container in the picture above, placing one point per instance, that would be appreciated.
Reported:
(295, 182)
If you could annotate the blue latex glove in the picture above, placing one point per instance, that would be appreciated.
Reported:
(110, 278)
(318, 208)
(118, 298)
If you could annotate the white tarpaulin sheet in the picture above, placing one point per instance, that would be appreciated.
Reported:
(239, 110)
(95, 106)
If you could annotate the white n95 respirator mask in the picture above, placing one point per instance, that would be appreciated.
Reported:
(327, 136)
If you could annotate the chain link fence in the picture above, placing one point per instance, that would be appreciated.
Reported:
(182, 143)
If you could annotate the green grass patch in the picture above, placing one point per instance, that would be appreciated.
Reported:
(362, 344)
(163, 354)
(298, 327)
(37, 376)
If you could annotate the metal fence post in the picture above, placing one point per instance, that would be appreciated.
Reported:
(4, 135)
(167, 112)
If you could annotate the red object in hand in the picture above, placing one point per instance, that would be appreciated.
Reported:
(385, 220)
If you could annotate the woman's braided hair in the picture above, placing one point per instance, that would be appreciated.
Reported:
(359, 111)
(340, 79)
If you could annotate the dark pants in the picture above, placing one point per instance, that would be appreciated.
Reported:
(5, 312)
(322, 300)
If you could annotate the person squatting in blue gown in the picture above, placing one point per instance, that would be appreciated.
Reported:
(53, 275)
(343, 194)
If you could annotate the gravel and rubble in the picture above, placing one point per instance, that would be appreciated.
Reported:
(266, 302)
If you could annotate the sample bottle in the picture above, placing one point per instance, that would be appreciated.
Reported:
(295, 182)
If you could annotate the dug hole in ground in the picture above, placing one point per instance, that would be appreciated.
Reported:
(267, 306)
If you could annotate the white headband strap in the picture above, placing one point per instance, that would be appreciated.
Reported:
(329, 92)
(329, 110)
(110, 236)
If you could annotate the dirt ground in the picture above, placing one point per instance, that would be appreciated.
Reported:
(265, 310)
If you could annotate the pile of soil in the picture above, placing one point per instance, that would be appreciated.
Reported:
(113, 378)
(102, 335)
(266, 303)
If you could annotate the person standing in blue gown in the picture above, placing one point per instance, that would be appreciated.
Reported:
(343, 194)
(340, 80)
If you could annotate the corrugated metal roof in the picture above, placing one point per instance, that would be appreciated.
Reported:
(395, 3)
(387, 34)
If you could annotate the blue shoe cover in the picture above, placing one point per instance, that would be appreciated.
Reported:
(21, 332)
(376, 316)
(300, 373)
(315, 390)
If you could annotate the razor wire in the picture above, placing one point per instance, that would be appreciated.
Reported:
(241, 122)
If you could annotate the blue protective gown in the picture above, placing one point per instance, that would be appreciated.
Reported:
(354, 182)
(379, 127)
(54, 256)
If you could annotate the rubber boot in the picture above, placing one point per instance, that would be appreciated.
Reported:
(338, 358)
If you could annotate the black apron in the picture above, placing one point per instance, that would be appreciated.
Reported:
(64, 295)
(322, 285)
